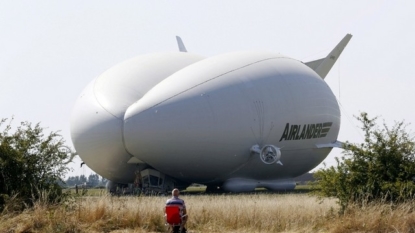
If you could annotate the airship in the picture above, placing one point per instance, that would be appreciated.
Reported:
(234, 122)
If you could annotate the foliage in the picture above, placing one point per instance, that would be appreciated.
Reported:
(382, 168)
(31, 164)
(93, 180)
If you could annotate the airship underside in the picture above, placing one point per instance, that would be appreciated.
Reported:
(238, 120)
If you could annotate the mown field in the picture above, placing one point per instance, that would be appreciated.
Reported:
(261, 212)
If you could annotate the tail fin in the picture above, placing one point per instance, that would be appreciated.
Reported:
(181, 45)
(323, 66)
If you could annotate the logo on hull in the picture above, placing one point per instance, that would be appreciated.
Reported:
(299, 132)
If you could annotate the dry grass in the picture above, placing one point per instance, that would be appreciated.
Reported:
(210, 213)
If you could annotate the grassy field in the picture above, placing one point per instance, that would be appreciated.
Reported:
(190, 190)
(211, 213)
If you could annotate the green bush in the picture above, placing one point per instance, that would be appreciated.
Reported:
(31, 164)
(382, 168)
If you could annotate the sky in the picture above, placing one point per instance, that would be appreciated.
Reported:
(50, 50)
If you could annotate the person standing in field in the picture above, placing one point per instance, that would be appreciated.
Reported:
(175, 200)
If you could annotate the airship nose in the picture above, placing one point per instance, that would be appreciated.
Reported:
(139, 124)
(171, 134)
(151, 124)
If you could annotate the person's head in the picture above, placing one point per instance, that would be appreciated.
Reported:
(175, 192)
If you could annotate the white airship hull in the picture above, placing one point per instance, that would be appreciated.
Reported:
(238, 120)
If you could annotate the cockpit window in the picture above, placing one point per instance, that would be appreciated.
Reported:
(154, 180)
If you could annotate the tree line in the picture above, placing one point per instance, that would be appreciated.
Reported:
(93, 180)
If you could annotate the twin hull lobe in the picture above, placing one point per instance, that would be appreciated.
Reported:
(98, 115)
(199, 123)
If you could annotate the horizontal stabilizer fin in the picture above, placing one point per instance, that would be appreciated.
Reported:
(134, 160)
(323, 66)
(336, 144)
(181, 45)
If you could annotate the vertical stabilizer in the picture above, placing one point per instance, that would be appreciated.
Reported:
(323, 66)
(181, 45)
